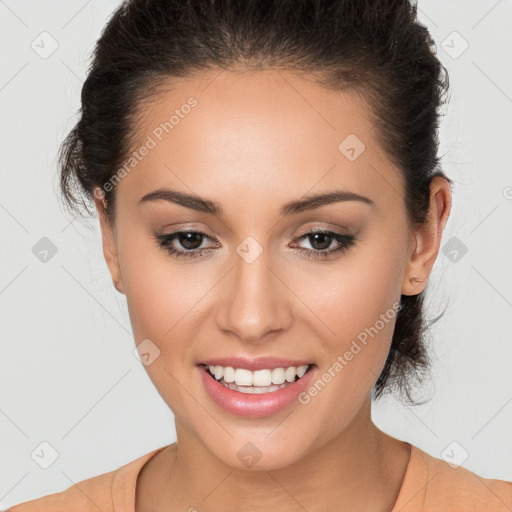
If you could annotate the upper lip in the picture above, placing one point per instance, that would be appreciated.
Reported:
(253, 363)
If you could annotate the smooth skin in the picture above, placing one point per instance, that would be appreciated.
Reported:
(254, 142)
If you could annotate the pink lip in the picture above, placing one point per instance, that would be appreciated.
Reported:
(255, 406)
(253, 364)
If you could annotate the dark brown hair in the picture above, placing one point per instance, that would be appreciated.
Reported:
(376, 49)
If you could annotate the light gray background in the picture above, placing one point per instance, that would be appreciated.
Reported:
(68, 375)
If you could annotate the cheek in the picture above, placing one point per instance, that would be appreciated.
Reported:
(360, 314)
(158, 292)
(353, 295)
(164, 303)
(161, 303)
(356, 303)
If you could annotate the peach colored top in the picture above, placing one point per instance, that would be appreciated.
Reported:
(430, 484)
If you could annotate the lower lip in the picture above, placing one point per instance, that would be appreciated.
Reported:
(255, 406)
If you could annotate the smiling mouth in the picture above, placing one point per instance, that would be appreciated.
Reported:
(259, 381)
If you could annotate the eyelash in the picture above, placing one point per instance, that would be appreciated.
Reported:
(346, 241)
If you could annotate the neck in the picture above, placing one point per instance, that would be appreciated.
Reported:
(361, 468)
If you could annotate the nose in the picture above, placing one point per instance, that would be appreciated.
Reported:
(254, 301)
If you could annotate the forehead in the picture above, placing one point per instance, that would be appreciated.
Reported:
(268, 132)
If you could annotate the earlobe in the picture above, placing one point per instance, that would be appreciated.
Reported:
(428, 238)
(109, 243)
(118, 285)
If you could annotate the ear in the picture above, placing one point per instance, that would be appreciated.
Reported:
(108, 240)
(428, 238)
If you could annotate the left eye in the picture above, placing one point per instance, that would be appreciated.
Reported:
(323, 239)
(191, 241)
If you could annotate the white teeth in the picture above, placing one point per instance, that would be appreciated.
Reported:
(218, 372)
(229, 374)
(278, 376)
(243, 377)
(290, 374)
(262, 378)
(258, 378)
(252, 390)
(301, 370)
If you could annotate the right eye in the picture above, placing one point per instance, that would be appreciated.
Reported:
(190, 240)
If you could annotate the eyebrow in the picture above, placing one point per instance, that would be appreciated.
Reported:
(204, 205)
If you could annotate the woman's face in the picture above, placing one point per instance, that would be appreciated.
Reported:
(251, 144)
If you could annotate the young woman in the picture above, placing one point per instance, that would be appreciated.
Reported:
(266, 178)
